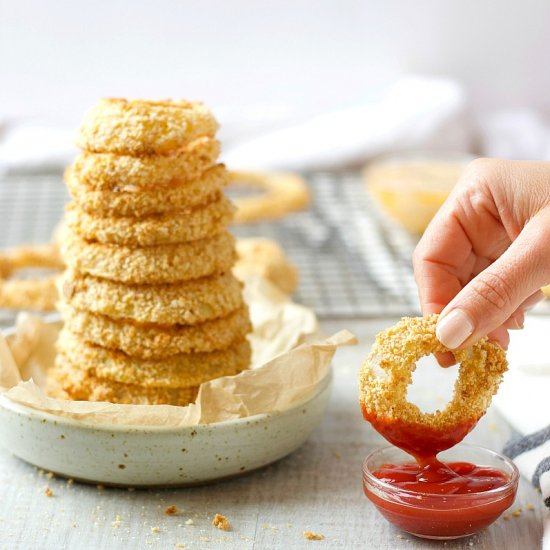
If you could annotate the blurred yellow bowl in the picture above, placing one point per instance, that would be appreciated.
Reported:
(411, 187)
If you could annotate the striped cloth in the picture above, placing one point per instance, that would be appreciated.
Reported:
(531, 453)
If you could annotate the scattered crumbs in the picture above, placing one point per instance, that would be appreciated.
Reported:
(70, 481)
(265, 526)
(75, 524)
(530, 507)
(41, 473)
(50, 475)
(180, 545)
(118, 517)
(48, 492)
(400, 537)
(204, 539)
(471, 543)
(337, 455)
(313, 536)
(517, 513)
(189, 522)
(171, 510)
(155, 529)
(506, 517)
(99, 487)
(221, 522)
(118, 521)
(289, 525)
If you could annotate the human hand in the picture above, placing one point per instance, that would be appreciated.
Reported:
(484, 257)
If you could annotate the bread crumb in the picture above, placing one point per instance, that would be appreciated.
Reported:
(506, 517)
(517, 513)
(189, 522)
(131, 489)
(204, 539)
(41, 473)
(171, 510)
(180, 545)
(155, 529)
(50, 475)
(99, 487)
(530, 507)
(48, 492)
(70, 481)
(221, 522)
(309, 535)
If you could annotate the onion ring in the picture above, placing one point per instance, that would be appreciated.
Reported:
(283, 193)
(136, 201)
(110, 172)
(266, 258)
(186, 303)
(387, 372)
(64, 382)
(174, 227)
(178, 371)
(150, 341)
(140, 127)
(160, 264)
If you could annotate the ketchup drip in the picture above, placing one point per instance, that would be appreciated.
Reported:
(417, 506)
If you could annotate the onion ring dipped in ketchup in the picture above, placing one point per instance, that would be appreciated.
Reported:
(432, 485)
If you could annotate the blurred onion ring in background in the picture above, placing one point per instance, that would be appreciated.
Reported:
(283, 193)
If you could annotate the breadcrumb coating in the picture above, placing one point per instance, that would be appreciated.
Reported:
(150, 341)
(387, 372)
(140, 127)
(111, 172)
(177, 371)
(168, 263)
(178, 226)
(186, 303)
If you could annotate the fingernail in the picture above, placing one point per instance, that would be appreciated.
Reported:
(453, 329)
(532, 301)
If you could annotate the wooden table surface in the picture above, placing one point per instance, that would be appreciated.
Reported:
(317, 488)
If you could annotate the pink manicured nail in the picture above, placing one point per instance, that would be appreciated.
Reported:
(453, 329)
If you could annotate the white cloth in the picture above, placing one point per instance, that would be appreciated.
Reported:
(523, 399)
(414, 113)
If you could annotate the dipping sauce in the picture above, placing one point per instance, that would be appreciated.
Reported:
(433, 499)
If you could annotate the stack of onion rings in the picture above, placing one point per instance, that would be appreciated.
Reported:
(152, 308)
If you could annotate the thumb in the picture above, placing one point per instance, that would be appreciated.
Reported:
(489, 299)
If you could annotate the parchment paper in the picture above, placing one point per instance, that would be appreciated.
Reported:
(289, 361)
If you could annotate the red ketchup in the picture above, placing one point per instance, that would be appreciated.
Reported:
(430, 498)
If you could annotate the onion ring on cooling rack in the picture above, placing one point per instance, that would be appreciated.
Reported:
(180, 226)
(166, 263)
(150, 341)
(178, 371)
(387, 372)
(140, 127)
(64, 381)
(38, 294)
(111, 172)
(283, 193)
(129, 200)
(186, 303)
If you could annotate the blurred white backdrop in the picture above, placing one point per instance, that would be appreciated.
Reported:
(265, 64)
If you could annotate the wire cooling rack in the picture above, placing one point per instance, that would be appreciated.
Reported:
(353, 261)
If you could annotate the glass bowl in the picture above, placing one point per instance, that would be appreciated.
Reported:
(440, 516)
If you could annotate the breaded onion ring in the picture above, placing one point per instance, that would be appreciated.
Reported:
(140, 127)
(387, 372)
(266, 258)
(283, 193)
(150, 341)
(110, 172)
(129, 200)
(64, 382)
(178, 371)
(160, 264)
(186, 303)
(175, 227)
(35, 294)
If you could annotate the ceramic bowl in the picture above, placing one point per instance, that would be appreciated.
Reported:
(157, 456)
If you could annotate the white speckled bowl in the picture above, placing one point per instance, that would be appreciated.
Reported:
(157, 456)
